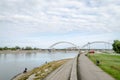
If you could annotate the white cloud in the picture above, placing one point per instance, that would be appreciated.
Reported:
(25, 18)
(80, 13)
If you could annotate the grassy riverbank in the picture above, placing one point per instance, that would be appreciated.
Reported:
(41, 72)
(109, 63)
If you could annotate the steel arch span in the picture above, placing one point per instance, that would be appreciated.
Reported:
(89, 43)
(63, 42)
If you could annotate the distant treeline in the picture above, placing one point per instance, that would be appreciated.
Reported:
(18, 48)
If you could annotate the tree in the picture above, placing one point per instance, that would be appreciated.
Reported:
(12, 48)
(116, 46)
(1, 48)
(5, 48)
(17, 47)
(36, 48)
(28, 48)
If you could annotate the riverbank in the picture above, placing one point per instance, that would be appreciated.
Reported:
(32, 51)
(20, 51)
(40, 72)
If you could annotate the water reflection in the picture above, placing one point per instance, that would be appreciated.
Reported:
(14, 63)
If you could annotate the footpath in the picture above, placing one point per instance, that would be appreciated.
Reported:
(89, 71)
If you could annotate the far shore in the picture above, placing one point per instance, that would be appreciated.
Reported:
(30, 51)
(20, 51)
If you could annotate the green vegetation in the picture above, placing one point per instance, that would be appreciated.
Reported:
(109, 63)
(116, 46)
(41, 72)
(18, 48)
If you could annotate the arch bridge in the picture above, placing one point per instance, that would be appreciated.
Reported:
(103, 49)
(80, 48)
(73, 48)
(63, 42)
(89, 43)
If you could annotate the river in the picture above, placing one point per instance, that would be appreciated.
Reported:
(14, 63)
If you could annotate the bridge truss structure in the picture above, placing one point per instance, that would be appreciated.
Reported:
(86, 46)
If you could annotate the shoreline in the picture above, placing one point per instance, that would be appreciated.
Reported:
(29, 51)
(45, 68)
(20, 51)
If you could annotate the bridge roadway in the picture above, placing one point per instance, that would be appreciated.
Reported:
(79, 68)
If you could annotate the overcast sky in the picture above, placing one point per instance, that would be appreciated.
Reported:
(41, 23)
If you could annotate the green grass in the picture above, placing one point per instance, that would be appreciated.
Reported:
(109, 63)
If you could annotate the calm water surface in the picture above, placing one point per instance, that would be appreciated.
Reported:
(12, 64)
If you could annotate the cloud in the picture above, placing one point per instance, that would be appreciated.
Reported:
(28, 18)
(80, 15)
